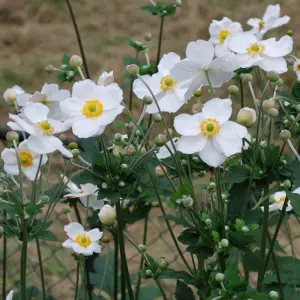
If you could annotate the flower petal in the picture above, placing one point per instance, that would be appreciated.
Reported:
(84, 128)
(276, 64)
(186, 70)
(68, 244)
(218, 109)
(167, 62)
(90, 188)
(73, 229)
(279, 48)
(95, 234)
(36, 112)
(211, 156)
(43, 144)
(200, 51)
(241, 42)
(187, 125)
(191, 144)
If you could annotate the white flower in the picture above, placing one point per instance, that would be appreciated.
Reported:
(87, 194)
(29, 161)
(270, 20)
(267, 54)
(35, 121)
(246, 116)
(221, 31)
(10, 295)
(279, 201)
(164, 152)
(11, 94)
(80, 241)
(297, 68)
(50, 96)
(210, 133)
(107, 215)
(167, 91)
(106, 78)
(200, 60)
(92, 107)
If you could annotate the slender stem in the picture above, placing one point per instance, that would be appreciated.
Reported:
(210, 85)
(131, 86)
(116, 266)
(78, 38)
(41, 267)
(161, 29)
(23, 261)
(122, 250)
(168, 223)
(77, 280)
(33, 194)
(76, 210)
(137, 288)
(161, 289)
(4, 262)
(242, 93)
(280, 154)
(20, 170)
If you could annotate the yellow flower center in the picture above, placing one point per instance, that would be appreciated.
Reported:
(298, 68)
(46, 127)
(261, 25)
(256, 48)
(224, 33)
(92, 108)
(83, 240)
(167, 83)
(280, 200)
(210, 127)
(26, 159)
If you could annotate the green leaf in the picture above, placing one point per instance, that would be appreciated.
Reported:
(296, 90)
(46, 235)
(149, 293)
(236, 174)
(295, 201)
(183, 291)
(172, 274)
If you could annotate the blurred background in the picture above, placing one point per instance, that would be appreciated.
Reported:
(35, 33)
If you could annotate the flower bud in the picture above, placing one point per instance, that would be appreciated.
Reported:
(233, 90)
(263, 145)
(211, 186)
(285, 134)
(124, 166)
(132, 69)
(273, 76)
(141, 150)
(179, 2)
(70, 74)
(157, 117)
(12, 136)
(287, 184)
(75, 152)
(104, 185)
(66, 210)
(45, 199)
(130, 150)
(105, 239)
(198, 93)
(107, 215)
(245, 229)
(224, 197)
(118, 137)
(246, 77)
(63, 137)
(160, 140)
(10, 96)
(202, 173)
(196, 108)
(142, 248)
(273, 113)
(290, 32)
(75, 61)
(270, 103)
(148, 273)
(162, 263)
(226, 228)
(208, 222)
(148, 37)
(196, 159)
(224, 243)
(121, 183)
(220, 277)
(273, 295)
(63, 66)
(246, 116)
(159, 171)
(73, 145)
(147, 100)
(187, 201)
(279, 82)
(50, 69)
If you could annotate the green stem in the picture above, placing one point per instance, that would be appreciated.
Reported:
(77, 280)
(23, 261)
(161, 29)
(242, 93)
(210, 85)
(41, 267)
(116, 266)
(4, 262)
(33, 194)
(161, 289)
(122, 250)
(131, 86)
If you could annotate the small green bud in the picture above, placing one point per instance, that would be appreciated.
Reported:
(287, 184)
(224, 243)
(157, 117)
(160, 171)
(104, 185)
(273, 76)
(73, 145)
(1, 231)
(75, 61)
(148, 273)
(285, 135)
(147, 100)
(246, 77)
(245, 229)
(162, 263)
(187, 201)
(66, 210)
(273, 113)
(197, 93)
(138, 133)
(118, 137)
(160, 140)
(279, 82)
(12, 136)
(290, 32)
(270, 103)
(148, 37)
(132, 69)
(233, 90)
(273, 295)
(220, 277)
(202, 173)
(105, 239)
(63, 66)
(211, 186)
(208, 222)
(50, 68)
(298, 108)
(45, 198)
(124, 166)
(224, 197)
(226, 228)
(196, 159)
(63, 137)
(121, 183)
(142, 248)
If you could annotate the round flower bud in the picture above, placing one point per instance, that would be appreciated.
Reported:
(287, 184)
(142, 248)
(63, 137)
(273, 295)
(285, 134)
(138, 133)
(141, 150)
(160, 140)
(195, 159)
(273, 76)
(196, 108)
(104, 185)
(130, 150)
(279, 82)
(224, 243)
(132, 69)
(159, 171)
(121, 183)
(179, 2)
(107, 215)
(148, 273)
(233, 90)
(245, 229)
(63, 66)
(124, 166)
(184, 162)
(270, 103)
(105, 239)
(157, 117)
(297, 108)
(224, 197)
(211, 186)
(290, 32)
(246, 116)
(198, 93)
(12, 136)
(148, 37)
(202, 173)
(220, 277)
(75, 61)
(147, 100)
(226, 228)
(162, 263)
(187, 201)
(246, 77)
(73, 145)
(208, 222)
(45, 199)
(273, 113)
(263, 144)
(50, 69)
(118, 137)
(75, 152)
(66, 210)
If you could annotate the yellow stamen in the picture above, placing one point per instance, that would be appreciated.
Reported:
(261, 25)
(46, 127)
(92, 108)
(210, 127)
(256, 49)
(281, 200)
(224, 33)
(83, 240)
(26, 159)
(298, 68)
(167, 83)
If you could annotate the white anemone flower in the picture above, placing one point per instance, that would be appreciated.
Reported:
(220, 33)
(35, 121)
(106, 78)
(297, 68)
(82, 242)
(29, 161)
(10, 295)
(210, 133)
(199, 64)
(50, 96)
(270, 20)
(279, 201)
(11, 94)
(167, 91)
(267, 54)
(87, 193)
(92, 107)
(164, 152)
